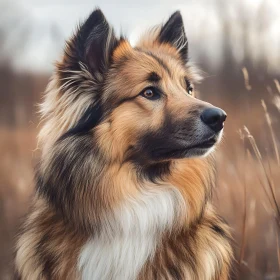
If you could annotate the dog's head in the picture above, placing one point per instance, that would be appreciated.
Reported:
(138, 102)
(112, 109)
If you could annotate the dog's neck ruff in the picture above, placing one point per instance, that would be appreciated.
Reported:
(130, 236)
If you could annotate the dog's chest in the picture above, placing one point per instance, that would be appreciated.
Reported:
(130, 237)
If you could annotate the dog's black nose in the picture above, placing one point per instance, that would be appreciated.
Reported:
(214, 118)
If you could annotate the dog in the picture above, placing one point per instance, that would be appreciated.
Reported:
(123, 188)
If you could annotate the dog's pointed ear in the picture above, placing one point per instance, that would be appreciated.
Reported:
(173, 32)
(92, 45)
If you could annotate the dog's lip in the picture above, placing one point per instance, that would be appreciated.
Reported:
(206, 144)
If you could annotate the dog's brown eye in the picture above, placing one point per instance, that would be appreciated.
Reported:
(150, 93)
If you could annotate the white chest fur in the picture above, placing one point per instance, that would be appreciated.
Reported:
(131, 236)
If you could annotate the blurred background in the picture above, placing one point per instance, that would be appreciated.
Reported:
(236, 42)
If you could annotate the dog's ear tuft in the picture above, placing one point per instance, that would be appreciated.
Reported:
(92, 45)
(173, 32)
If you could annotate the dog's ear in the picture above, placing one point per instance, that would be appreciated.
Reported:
(92, 45)
(173, 32)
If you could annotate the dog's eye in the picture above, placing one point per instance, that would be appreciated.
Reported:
(150, 93)
(190, 90)
(189, 87)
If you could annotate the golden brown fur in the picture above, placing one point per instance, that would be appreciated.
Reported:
(106, 163)
(50, 244)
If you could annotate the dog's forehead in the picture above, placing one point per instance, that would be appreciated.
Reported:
(140, 63)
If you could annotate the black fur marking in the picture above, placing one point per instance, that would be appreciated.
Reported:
(173, 32)
(218, 230)
(69, 168)
(89, 120)
(153, 77)
(188, 83)
(175, 271)
(154, 172)
(123, 100)
(160, 61)
(168, 142)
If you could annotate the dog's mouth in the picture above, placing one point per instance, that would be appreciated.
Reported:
(197, 149)
(209, 143)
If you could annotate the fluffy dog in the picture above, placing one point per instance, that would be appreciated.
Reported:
(124, 184)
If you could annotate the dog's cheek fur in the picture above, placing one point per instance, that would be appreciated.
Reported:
(121, 131)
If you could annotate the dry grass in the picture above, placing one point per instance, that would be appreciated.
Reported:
(16, 173)
(246, 195)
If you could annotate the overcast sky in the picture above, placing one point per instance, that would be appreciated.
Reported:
(47, 23)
